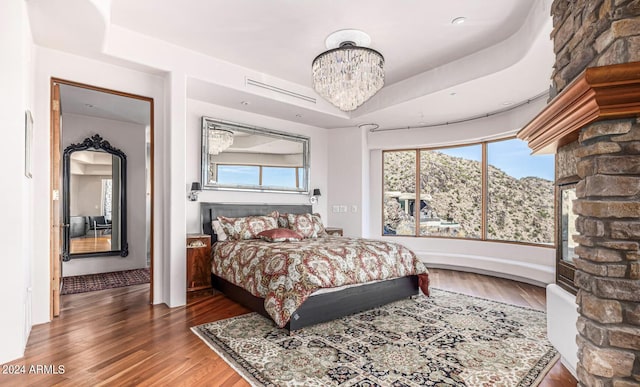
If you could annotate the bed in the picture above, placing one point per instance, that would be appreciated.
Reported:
(312, 306)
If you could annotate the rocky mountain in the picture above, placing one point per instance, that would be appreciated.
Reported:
(451, 187)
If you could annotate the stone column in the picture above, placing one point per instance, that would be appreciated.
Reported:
(591, 33)
(608, 267)
(588, 33)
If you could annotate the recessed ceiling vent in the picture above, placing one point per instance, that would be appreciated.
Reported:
(251, 82)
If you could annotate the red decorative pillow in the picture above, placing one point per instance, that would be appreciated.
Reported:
(248, 227)
(307, 225)
(280, 235)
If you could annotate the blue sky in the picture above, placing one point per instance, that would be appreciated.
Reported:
(250, 175)
(511, 156)
(237, 174)
(279, 177)
(473, 152)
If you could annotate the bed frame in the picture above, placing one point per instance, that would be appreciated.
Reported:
(316, 309)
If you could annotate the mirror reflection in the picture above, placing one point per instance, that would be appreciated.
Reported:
(94, 215)
(94, 203)
(568, 223)
(237, 156)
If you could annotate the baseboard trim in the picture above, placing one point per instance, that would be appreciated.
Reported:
(487, 272)
(537, 274)
(568, 366)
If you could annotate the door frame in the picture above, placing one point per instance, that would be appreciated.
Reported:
(55, 164)
(56, 230)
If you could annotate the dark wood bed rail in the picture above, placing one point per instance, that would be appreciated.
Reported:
(327, 306)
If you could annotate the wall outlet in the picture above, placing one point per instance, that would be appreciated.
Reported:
(354, 208)
(335, 209)
(343, 208)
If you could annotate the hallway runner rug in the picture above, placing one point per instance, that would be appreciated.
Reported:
(102, 281)
(448, 339)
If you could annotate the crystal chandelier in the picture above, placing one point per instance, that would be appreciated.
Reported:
(219, 139)
(350, 74)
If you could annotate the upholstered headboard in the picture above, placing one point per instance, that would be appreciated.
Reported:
(210, 211)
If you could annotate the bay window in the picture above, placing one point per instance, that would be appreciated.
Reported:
(485, 191)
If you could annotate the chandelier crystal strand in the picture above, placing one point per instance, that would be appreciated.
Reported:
(219, 140)
(348, 75)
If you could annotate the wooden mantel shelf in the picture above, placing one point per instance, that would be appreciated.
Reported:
(599, 93)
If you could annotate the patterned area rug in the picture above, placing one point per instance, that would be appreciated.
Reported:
(102, 281)
(448, 339)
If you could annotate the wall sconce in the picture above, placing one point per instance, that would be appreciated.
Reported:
(195, 190)
(313, 198)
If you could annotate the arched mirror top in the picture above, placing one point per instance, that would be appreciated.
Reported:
(94, 142)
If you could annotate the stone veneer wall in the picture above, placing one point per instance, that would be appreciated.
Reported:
(608, 267)
(588, 33)
(599, 33)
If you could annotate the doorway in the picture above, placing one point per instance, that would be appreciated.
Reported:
(86, 214)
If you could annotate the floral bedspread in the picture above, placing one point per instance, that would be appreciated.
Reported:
(286, 273)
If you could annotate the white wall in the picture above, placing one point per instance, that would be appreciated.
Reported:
(562, 319)
(345, 187)
(318, 172)
(52, 63)
(130, 138)
(522, 262)
(85, 192)
(16, 71)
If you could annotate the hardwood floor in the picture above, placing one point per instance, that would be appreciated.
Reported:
(113, 337)
(90, 244)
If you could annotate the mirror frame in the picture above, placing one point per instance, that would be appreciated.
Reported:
(204, 167)
(90, 143)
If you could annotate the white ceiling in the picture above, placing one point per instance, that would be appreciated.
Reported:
(87, 102)
(435, 71)
(91, 163)
(282, 37)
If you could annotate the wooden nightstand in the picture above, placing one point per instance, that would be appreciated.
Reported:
(198, 262)
(334, 231)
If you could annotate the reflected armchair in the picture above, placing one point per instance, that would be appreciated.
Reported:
(98, 223)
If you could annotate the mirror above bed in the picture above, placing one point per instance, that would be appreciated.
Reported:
(249, 158)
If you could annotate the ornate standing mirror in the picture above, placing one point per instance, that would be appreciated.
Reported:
(94, 202)
(242, 157)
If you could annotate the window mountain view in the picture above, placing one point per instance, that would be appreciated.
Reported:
(518, 209)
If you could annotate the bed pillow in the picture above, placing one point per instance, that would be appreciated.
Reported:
(283, 221)
(248, 227)
(280, 235)
(307, 225)
(219, 230)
